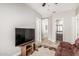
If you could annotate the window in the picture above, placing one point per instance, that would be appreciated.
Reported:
(59, 26)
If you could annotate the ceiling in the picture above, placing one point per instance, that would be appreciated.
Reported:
(51, 8)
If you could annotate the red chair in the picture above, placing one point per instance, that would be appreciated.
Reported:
(76, 47)
(64, 49)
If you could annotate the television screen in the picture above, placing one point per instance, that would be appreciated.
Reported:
(23, 35)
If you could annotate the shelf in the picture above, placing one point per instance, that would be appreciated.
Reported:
(28, 49)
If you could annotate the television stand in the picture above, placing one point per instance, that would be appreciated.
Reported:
(27, 49)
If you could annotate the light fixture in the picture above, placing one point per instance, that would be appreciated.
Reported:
(43, 4)
(56, 4)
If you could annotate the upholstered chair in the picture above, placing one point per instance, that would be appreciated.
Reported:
(76, 47)
(64, 49)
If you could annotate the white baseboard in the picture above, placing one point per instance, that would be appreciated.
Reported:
(17, 54)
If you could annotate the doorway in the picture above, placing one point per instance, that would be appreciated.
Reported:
(44, 29)
(59, 30)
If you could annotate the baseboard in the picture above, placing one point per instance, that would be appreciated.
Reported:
(17, 54)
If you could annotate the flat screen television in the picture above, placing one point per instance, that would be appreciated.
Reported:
(24, 35)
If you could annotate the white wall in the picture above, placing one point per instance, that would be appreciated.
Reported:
(67, 17)
(50, 30)
(38, 30)
(12, 16)
(78, 25)
(77, 12)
